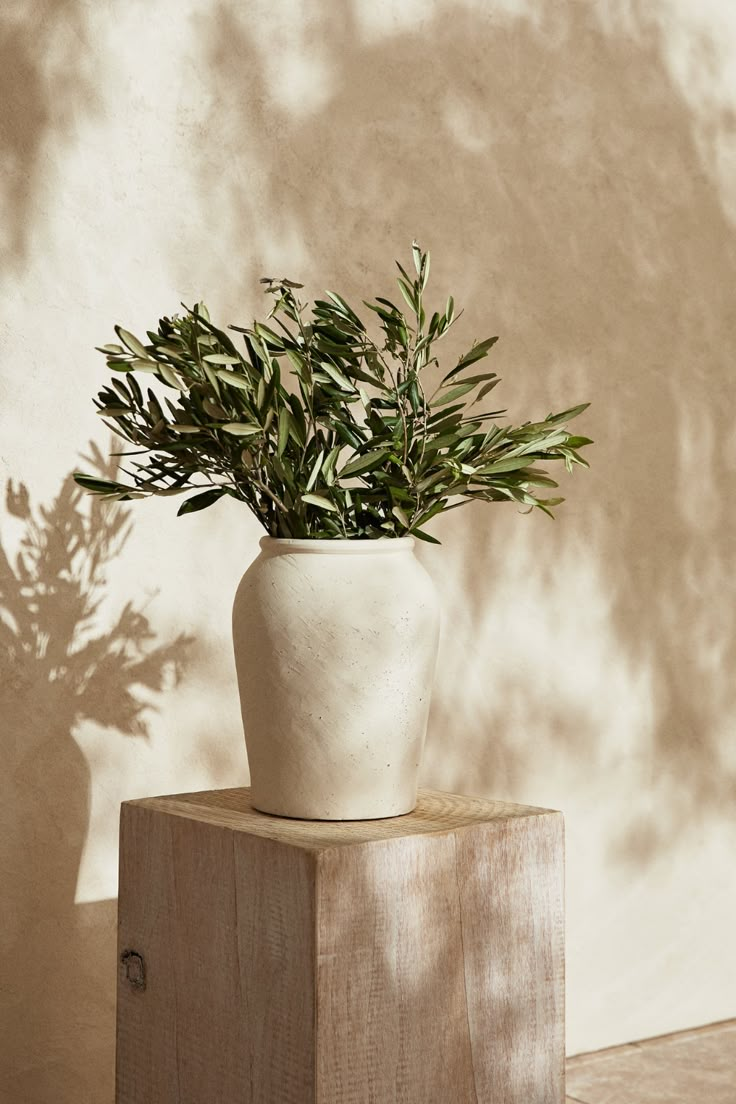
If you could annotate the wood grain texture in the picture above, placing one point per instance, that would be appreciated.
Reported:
(441, 968)
(435, 812)
(223, 923)
(147, 1038)
(416, 960)
(511, 889)
(392, 1020)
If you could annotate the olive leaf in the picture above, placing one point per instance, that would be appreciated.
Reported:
(318, 500)
(240, 429)
(200, 501)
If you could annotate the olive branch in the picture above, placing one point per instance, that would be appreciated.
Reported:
(323, 430)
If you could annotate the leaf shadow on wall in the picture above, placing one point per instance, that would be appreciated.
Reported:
(45, 76)
(569, 191)
(57, 959)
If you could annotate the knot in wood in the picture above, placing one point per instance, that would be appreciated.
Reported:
(135, 969)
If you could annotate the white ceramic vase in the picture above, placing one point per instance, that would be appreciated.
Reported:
(335, 648)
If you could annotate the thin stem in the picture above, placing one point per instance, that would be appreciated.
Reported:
(266, 490)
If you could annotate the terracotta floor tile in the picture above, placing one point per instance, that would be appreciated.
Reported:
(691, 1067)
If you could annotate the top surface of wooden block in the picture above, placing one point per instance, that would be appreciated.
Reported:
(436, 812)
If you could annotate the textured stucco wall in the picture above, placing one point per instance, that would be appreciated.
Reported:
(570, 166)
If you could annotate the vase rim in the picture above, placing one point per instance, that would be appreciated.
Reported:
(337, 546)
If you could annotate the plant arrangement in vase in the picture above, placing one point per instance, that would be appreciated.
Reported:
(329, 431)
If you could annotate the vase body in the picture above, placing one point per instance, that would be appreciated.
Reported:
(335, 648)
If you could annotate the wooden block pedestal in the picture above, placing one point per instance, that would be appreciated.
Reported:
(416, 960)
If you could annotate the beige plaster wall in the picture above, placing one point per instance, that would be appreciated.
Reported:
(570, 166)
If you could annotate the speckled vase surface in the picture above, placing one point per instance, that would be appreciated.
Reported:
(335, 648)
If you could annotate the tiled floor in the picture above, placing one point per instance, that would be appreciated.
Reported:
(691, 1067)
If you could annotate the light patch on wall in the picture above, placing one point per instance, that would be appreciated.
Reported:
(699, 498)
(631, 964)
(392, 17)
(285, 252)
(466, 123)
(534, 674)
(293, 55)
(697, 41)
(377, 19)
(301, 83)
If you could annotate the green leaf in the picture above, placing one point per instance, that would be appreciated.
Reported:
(297, 359)
(114, 411)
(427, 515)
(115, 350)
(135, 390)
(131, 342)
(200, 501)
(221, 358)
(577, 442)
(342, 381)
(400, 516)
(452, 421)
(168, 375)
(267, 336)
(140, 365)
(513, 464)
(566, 415)
(259, 349)
(241, 429)
(431, 479)
(213, 409)
(329, 465)
(407, 293)
(319, 501)
(404, 273)
(299, 423)
(476, 353)
(366, 377)
(424, 536)
(233, 379)
(454, 393)
(93, 483)
(365, 463)
(347, 433)
(443, 440)
(441, 415)
(382, 312)
(425, 274)
(479, 378)
(315, 469)
(345, 308)
(284, 427)
(485, 389)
